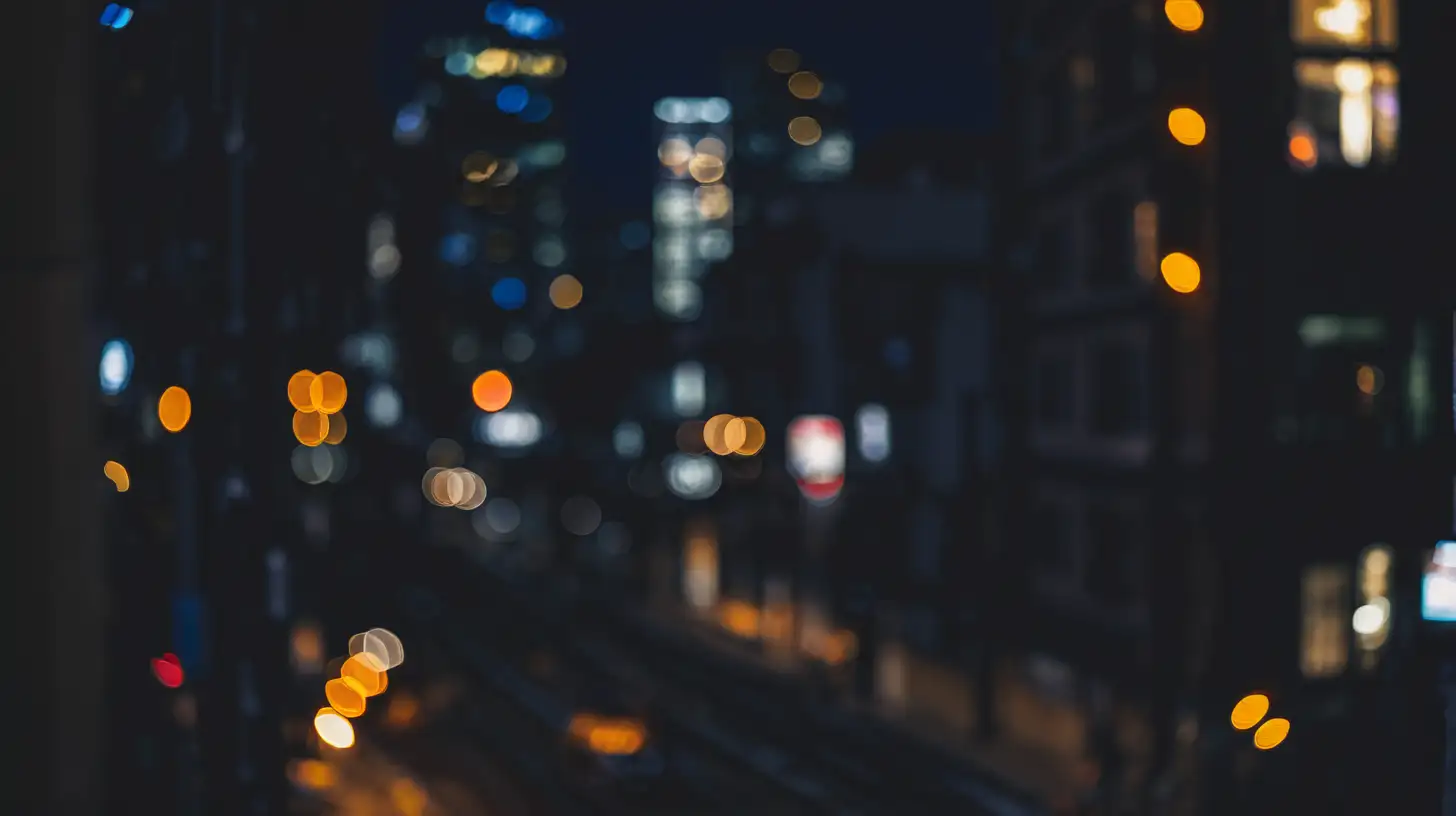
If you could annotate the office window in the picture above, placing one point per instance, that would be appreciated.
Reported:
(1054, 391)
(1324, 641)
(1118, 390)
(1054, 258)
(1112, 239)
(1344, 24)
(1347, 113)
(1110, 552)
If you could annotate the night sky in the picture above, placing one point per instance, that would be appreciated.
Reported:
(901, 68)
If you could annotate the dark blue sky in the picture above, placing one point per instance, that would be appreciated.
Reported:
(900, 68)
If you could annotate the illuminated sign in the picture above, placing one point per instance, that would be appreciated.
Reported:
(1438, 588)
(816, 456)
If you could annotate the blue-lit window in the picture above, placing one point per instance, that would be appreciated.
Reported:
(512, 99)
(115, 16)
(509, 293)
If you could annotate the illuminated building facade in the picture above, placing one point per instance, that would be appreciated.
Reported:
(1224, 378)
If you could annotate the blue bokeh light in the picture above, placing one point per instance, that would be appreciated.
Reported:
(410, 118)
(116, 16)
(512, 98)
(509, 293)
(116, 366)
(498, 12)
(457, 249)
(458, 63)
(537, 109)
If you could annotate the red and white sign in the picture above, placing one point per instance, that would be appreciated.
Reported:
(816, 456)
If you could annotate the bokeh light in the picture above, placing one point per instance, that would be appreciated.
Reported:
(565, 292)
(338, 429)
(804, 130)
(1271, 733)
(581, 516)
(805, 85)
(328, 393)
(116, 365)
(1185, 15)
(366, 673)
(491, 391)
(754, 437)
(713, 434)
(116, 472)
(310, 428)
(1187, 126)
(174, 409)
(383, 647)
(783, 61)
(1181, 273)
(333, 728)
(299, 386)
(345, 697)
(168, 670)
(1249, 711)
(705, 168)
(509, 293)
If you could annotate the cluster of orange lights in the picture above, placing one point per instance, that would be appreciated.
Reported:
(1249, 711)
(364, 674)
(1187, 127)
(317, 400)
(726, 434)
(460, 488)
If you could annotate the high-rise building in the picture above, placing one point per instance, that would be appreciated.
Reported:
(1225, 379)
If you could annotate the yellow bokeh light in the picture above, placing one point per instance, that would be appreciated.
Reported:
(1249, 711)
(1181, 273)
(1185, 15)
(298, 391)
(805, 85)
(714, 201)
(705, 168)
(345, 697)
(328, 393)
(1187, 126)
(783, 61)
(804, 130)
(116, 472)
(491, 391)
(174, 409)
(713, 434)
(754, 437)
(1271, 733)
(674, 152)
(478, 167)
(338, 429)
(1303, 151)
(310, 429)
(565, 292)
(497, 62)
(366, 674)
(735, 434)
(333, 728)
(1369, 380)
(712, 146)
(312, 774)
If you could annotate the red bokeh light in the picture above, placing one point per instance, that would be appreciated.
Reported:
(168, 670)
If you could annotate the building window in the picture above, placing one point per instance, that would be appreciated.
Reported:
(1347, 113)
(1112, 239)
(1110, 556)
(1054, 391)
(1054, 258)
(1118, 390)
(1344, 24)
(1324, 641)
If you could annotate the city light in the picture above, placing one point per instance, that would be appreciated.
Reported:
(1181, 273)
(628, 440)
(116, 472)
(1271, 733)
(491, 391)
(1249, 711)
(168, 670)
(116, 366)
(509, 293)
(116, 17)
(382, 406)
(174, 409)
(692, 477)
(805, 85)
(1185, 15)
(804, 130)
(816, 457)
(1187, 126)
(509, 429)
(689, 389)
(333, 728)
(872, 425)
(681, 111)
(783, 61)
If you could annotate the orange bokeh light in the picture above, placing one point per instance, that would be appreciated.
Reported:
(491, 391)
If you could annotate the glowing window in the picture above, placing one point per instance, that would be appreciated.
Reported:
(1346, 24)
(1324, 640)
(1347, 113)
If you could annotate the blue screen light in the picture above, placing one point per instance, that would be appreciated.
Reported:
(537, 109)
(512, 99)
(509, 293)
(115, 16)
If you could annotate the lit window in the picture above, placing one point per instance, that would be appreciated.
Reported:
(1343, 24)
(1324, 641)
(1347, 113)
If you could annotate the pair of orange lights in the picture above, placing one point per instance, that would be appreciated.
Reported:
(1248, 713)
